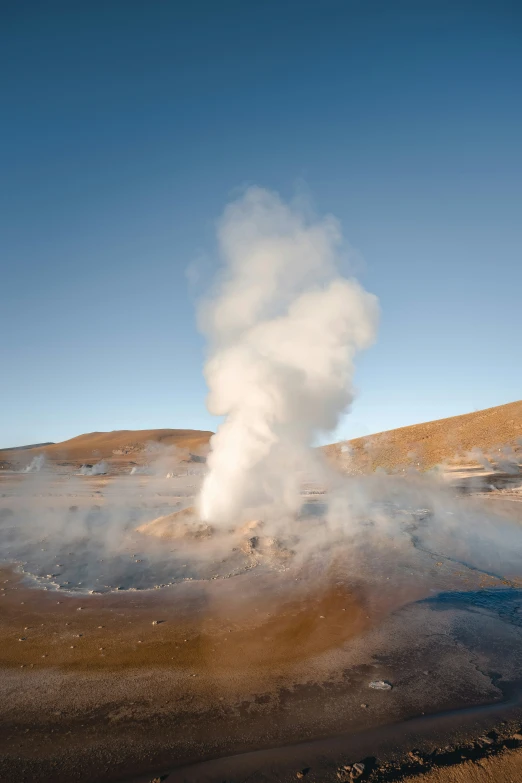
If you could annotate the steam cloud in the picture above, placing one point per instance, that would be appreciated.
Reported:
(283, 330)
(35, 465)
(99, 469)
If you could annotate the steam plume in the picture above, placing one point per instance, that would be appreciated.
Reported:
(283, 329)
(35, 465)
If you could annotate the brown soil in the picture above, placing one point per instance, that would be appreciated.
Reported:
(504, 768)
(191, 625)
(182, 524)
(434, 442)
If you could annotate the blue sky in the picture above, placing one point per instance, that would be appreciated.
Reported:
(127, 126)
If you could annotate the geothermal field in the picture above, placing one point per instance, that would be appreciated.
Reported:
(248, 605)
(383, 618)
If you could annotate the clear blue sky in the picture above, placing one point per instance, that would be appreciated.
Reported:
(127, 126)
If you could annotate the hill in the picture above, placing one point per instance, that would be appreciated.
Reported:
(420, 445)
(434, 442)
(29, 446)
(117, 446)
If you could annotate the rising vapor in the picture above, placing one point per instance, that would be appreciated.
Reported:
(283, 328)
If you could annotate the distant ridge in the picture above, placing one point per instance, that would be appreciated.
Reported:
(31, 446)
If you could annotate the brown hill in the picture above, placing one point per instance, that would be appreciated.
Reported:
(434, 442)
(116, 446)
(422, 445)
(29, 446)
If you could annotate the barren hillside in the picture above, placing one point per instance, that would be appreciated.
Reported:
(434, 442)
(421, 445)
(116, 446)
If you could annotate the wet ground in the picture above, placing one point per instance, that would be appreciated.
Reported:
(129, 682)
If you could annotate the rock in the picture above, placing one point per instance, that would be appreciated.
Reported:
(357, 770)
(517, 736)
(381, 685)
(303, 772)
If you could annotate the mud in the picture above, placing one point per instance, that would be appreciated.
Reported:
(106, 687)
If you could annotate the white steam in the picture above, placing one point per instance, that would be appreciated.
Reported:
(283, 330)
(35, 465)
(99, 469)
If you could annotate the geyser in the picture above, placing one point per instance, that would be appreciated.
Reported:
(283, 328)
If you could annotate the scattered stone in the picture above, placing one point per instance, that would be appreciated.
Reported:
(364, 706)
(22, 639)
(303, 772)
(343, 773)
(381, 685)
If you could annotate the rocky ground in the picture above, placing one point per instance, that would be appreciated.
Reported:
(261, 672)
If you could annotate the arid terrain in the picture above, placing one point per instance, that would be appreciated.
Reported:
(383, 626)
(459, 440)
(121, 449)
